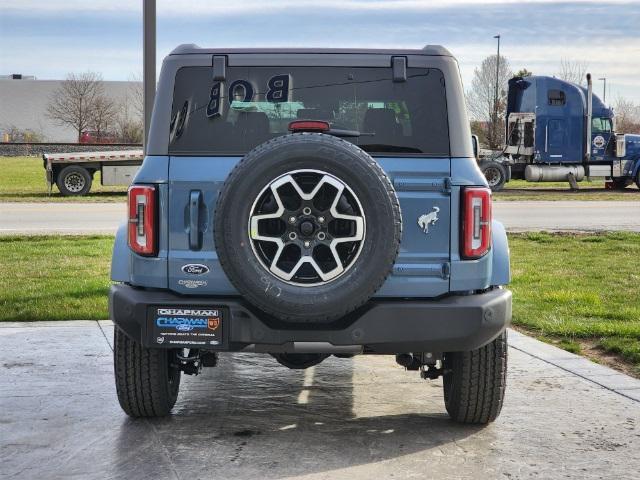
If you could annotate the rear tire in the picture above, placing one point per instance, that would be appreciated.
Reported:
(495, 173)
(146, 382)
(474, 382)
(638, 178)
(74, 180)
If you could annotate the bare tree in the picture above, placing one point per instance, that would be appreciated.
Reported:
(573, 71)
(102, 116)
(128, 125)
(129, 120)
(479, 129)
(135, 96)
(627, 116)
(73, 102)
(481, 98)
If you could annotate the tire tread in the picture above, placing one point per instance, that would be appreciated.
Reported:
(141, 377)
(475, 384)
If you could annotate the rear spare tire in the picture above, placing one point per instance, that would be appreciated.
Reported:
(307, 227)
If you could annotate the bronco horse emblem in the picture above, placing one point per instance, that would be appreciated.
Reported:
(428, 219)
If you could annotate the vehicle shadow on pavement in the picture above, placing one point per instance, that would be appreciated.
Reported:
(252, 417)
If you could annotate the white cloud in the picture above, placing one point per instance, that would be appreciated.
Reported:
(607, 44)
(226, 7)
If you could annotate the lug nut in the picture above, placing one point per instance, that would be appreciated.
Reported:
(307, 244)
(321, 236)
(293, 235)
(306, 211)
(292, 219)
(321, 219)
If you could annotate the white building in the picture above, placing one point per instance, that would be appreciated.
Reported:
(23, 105)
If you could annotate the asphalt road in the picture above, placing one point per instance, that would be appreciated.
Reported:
(77, 218)
(250, 418)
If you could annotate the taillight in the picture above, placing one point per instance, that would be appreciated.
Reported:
(143, 220)
(476, 222)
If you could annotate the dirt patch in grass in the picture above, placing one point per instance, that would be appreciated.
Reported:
(590, 348)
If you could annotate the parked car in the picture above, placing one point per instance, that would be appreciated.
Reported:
(308, 203)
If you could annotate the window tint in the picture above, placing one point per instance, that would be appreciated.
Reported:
(556, 97)
(255, 104)
(600, 125)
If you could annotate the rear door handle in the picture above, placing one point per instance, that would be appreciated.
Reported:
(195, 198)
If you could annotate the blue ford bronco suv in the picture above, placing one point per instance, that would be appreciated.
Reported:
(305, 203)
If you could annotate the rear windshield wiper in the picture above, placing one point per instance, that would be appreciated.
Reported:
(322, 126)
(340, 132)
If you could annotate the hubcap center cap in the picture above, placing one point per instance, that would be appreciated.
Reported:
(307, 228)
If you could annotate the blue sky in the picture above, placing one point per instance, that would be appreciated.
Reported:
(49, 38)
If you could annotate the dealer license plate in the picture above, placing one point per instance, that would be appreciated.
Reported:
(187, 326)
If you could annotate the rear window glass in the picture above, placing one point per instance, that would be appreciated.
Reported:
(255, 104)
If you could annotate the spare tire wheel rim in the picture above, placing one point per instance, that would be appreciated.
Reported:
(307, 227)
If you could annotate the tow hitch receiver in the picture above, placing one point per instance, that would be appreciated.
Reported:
(429, 364)
(192, 363)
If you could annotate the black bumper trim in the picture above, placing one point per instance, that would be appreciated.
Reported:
(453, 323)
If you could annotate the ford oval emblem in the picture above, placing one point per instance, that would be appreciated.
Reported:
(195, 269)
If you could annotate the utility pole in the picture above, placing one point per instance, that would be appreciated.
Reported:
(495, 100)
(604, 90)
(148, 63)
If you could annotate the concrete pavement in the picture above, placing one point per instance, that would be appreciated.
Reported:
(249, 418)
(78, 218)
(568, 215)
(61, 218)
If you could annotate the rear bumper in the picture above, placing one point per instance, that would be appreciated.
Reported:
(453, 323)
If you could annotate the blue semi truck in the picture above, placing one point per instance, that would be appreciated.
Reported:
(559, 131)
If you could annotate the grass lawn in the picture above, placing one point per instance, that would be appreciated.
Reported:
(22, 179)
(595, 183)
(54, 278)
(572, 290)
(594, 190)
(579, 290)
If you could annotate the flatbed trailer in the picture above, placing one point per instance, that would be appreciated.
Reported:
(73, 172)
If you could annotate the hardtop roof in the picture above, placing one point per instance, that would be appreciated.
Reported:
(428, 50)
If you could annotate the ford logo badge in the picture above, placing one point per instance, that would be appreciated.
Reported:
(195, 269)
